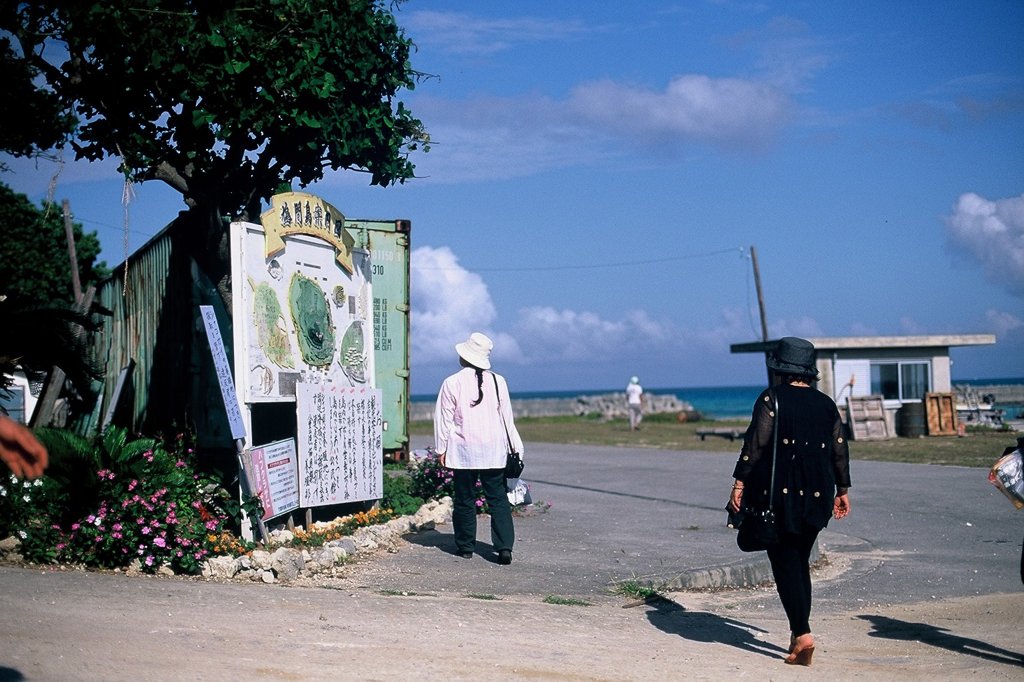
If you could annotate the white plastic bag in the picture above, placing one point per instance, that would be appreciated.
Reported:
(1007, 474)
(518, 492)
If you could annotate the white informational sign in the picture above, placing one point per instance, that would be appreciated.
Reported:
(340, 444)
(304, 301)
(224, 378)
(275, 477)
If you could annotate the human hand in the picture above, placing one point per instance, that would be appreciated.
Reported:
(440, 458)
(841, 507)
(20, 451)
(736, 498)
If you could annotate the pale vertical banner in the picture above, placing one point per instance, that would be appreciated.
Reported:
(340, 444)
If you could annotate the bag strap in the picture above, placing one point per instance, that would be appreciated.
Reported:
(497, 393)
(775, 447)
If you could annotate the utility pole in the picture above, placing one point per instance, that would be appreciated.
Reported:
(69, 230)
(44, 412)
(760, 305)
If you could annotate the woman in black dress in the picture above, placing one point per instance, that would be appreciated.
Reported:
(812, 477)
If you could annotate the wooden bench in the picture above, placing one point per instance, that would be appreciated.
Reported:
(722, 431)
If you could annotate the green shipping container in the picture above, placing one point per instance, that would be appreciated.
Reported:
(388, 243)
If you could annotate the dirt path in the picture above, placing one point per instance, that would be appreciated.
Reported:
(88, 626)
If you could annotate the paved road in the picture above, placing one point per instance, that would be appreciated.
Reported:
(921, 582)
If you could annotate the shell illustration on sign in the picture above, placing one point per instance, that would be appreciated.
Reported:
(270, 330)
(312, 319)
(353, 354)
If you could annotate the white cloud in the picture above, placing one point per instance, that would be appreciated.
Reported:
(461, 33)
(802, 326)
(1003, 323)
(731, 112)
(992, 234)
(567, 335)
(911, 327)
(36, 176)
(789, 54)
(486, 138)
(861, 329)
(448, 304)
(496, 138)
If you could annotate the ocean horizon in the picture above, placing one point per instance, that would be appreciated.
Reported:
(713, 402)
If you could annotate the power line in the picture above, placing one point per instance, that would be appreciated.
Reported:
(97, 223)
(593, 266)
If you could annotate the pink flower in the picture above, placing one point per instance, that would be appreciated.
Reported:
(75, 526)
(116, 526)
(149, 560)
(145, 530)
(159, 542)
(134, 484)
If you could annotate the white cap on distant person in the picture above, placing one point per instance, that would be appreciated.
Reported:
(634, 380)
(476, 350)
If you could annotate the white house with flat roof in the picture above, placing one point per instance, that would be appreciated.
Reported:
(900, 369)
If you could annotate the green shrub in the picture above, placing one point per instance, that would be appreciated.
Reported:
(140, 500)
(431, 481)
(398, 496)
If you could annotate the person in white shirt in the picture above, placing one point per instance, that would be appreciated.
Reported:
(635, 401)
(473, 431)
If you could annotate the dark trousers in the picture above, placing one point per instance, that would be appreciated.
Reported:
(791, 568)
(492, 483)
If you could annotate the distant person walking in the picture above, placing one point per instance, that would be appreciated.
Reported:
(473, 425)
(812, 477)
(635, 402)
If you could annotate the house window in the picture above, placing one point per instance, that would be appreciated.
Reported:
(900, 380)
(12, 403)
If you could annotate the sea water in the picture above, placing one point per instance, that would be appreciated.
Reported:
(723, 402)
(719, 402)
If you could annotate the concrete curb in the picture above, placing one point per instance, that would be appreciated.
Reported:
(754, 569)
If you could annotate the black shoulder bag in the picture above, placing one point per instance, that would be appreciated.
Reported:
(513, 460)
(759, 529)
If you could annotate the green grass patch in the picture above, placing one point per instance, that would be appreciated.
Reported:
(402, 593)
(565, 601)
(636, 590)
(979, 448)
(485, 597)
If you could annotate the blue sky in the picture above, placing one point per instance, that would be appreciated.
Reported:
(600, 171)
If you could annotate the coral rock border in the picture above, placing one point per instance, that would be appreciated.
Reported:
(278, 562)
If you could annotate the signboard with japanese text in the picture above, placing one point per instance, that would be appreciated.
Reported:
(299, 315)
(275, 477)
(340, 450)
(224, 378)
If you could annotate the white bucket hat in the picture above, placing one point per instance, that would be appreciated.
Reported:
(476, 350)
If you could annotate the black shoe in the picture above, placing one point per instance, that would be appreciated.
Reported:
(464, 555)
(505, 557)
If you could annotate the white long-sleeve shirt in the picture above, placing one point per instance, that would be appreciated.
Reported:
(474, 437)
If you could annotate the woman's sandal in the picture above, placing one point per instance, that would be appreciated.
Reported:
(801, 653)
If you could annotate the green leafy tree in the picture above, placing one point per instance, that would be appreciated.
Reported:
(34, 251)
(224, 101)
